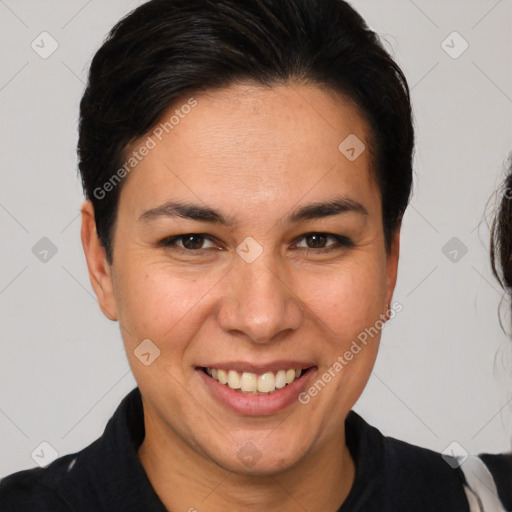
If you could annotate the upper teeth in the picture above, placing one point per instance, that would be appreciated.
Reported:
(248, 382)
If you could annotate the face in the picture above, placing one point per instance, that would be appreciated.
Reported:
(248, 246)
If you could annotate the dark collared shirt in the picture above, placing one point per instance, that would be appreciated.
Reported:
(391, 476)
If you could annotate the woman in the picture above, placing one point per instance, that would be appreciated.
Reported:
(499, 466)
(489, 477)
(246, 164)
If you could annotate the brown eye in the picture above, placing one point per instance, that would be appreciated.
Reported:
(189, 242)
(323, 242)
(316, 241)
(192, 241)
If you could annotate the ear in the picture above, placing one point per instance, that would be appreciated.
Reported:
(100, 272)
(392, 265)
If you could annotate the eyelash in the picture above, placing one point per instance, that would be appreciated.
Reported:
(340, 242)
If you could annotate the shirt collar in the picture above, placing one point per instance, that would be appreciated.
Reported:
(116, 479)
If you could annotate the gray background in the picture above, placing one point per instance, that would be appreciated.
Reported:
(445, 366)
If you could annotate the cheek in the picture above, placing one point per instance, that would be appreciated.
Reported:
(155, 302)
(347, 300)
(165, 304)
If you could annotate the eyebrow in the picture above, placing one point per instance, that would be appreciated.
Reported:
(201, 213)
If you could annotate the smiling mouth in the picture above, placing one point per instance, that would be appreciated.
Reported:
(253, 384)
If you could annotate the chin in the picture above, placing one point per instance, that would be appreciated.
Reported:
(259, 465)
(259, 456)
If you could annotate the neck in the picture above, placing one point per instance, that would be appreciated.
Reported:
(187, 480)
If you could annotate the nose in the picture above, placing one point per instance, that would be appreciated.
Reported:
(258, 304)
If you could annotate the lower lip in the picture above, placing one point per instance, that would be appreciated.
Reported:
(257, 405)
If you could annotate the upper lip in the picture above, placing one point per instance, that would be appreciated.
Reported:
(259, 368)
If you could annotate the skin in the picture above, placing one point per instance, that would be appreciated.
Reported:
(255, 154)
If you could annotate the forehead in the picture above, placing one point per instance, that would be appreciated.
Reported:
(251, 145)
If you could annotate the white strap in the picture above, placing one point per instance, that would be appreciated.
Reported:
(481, 490)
